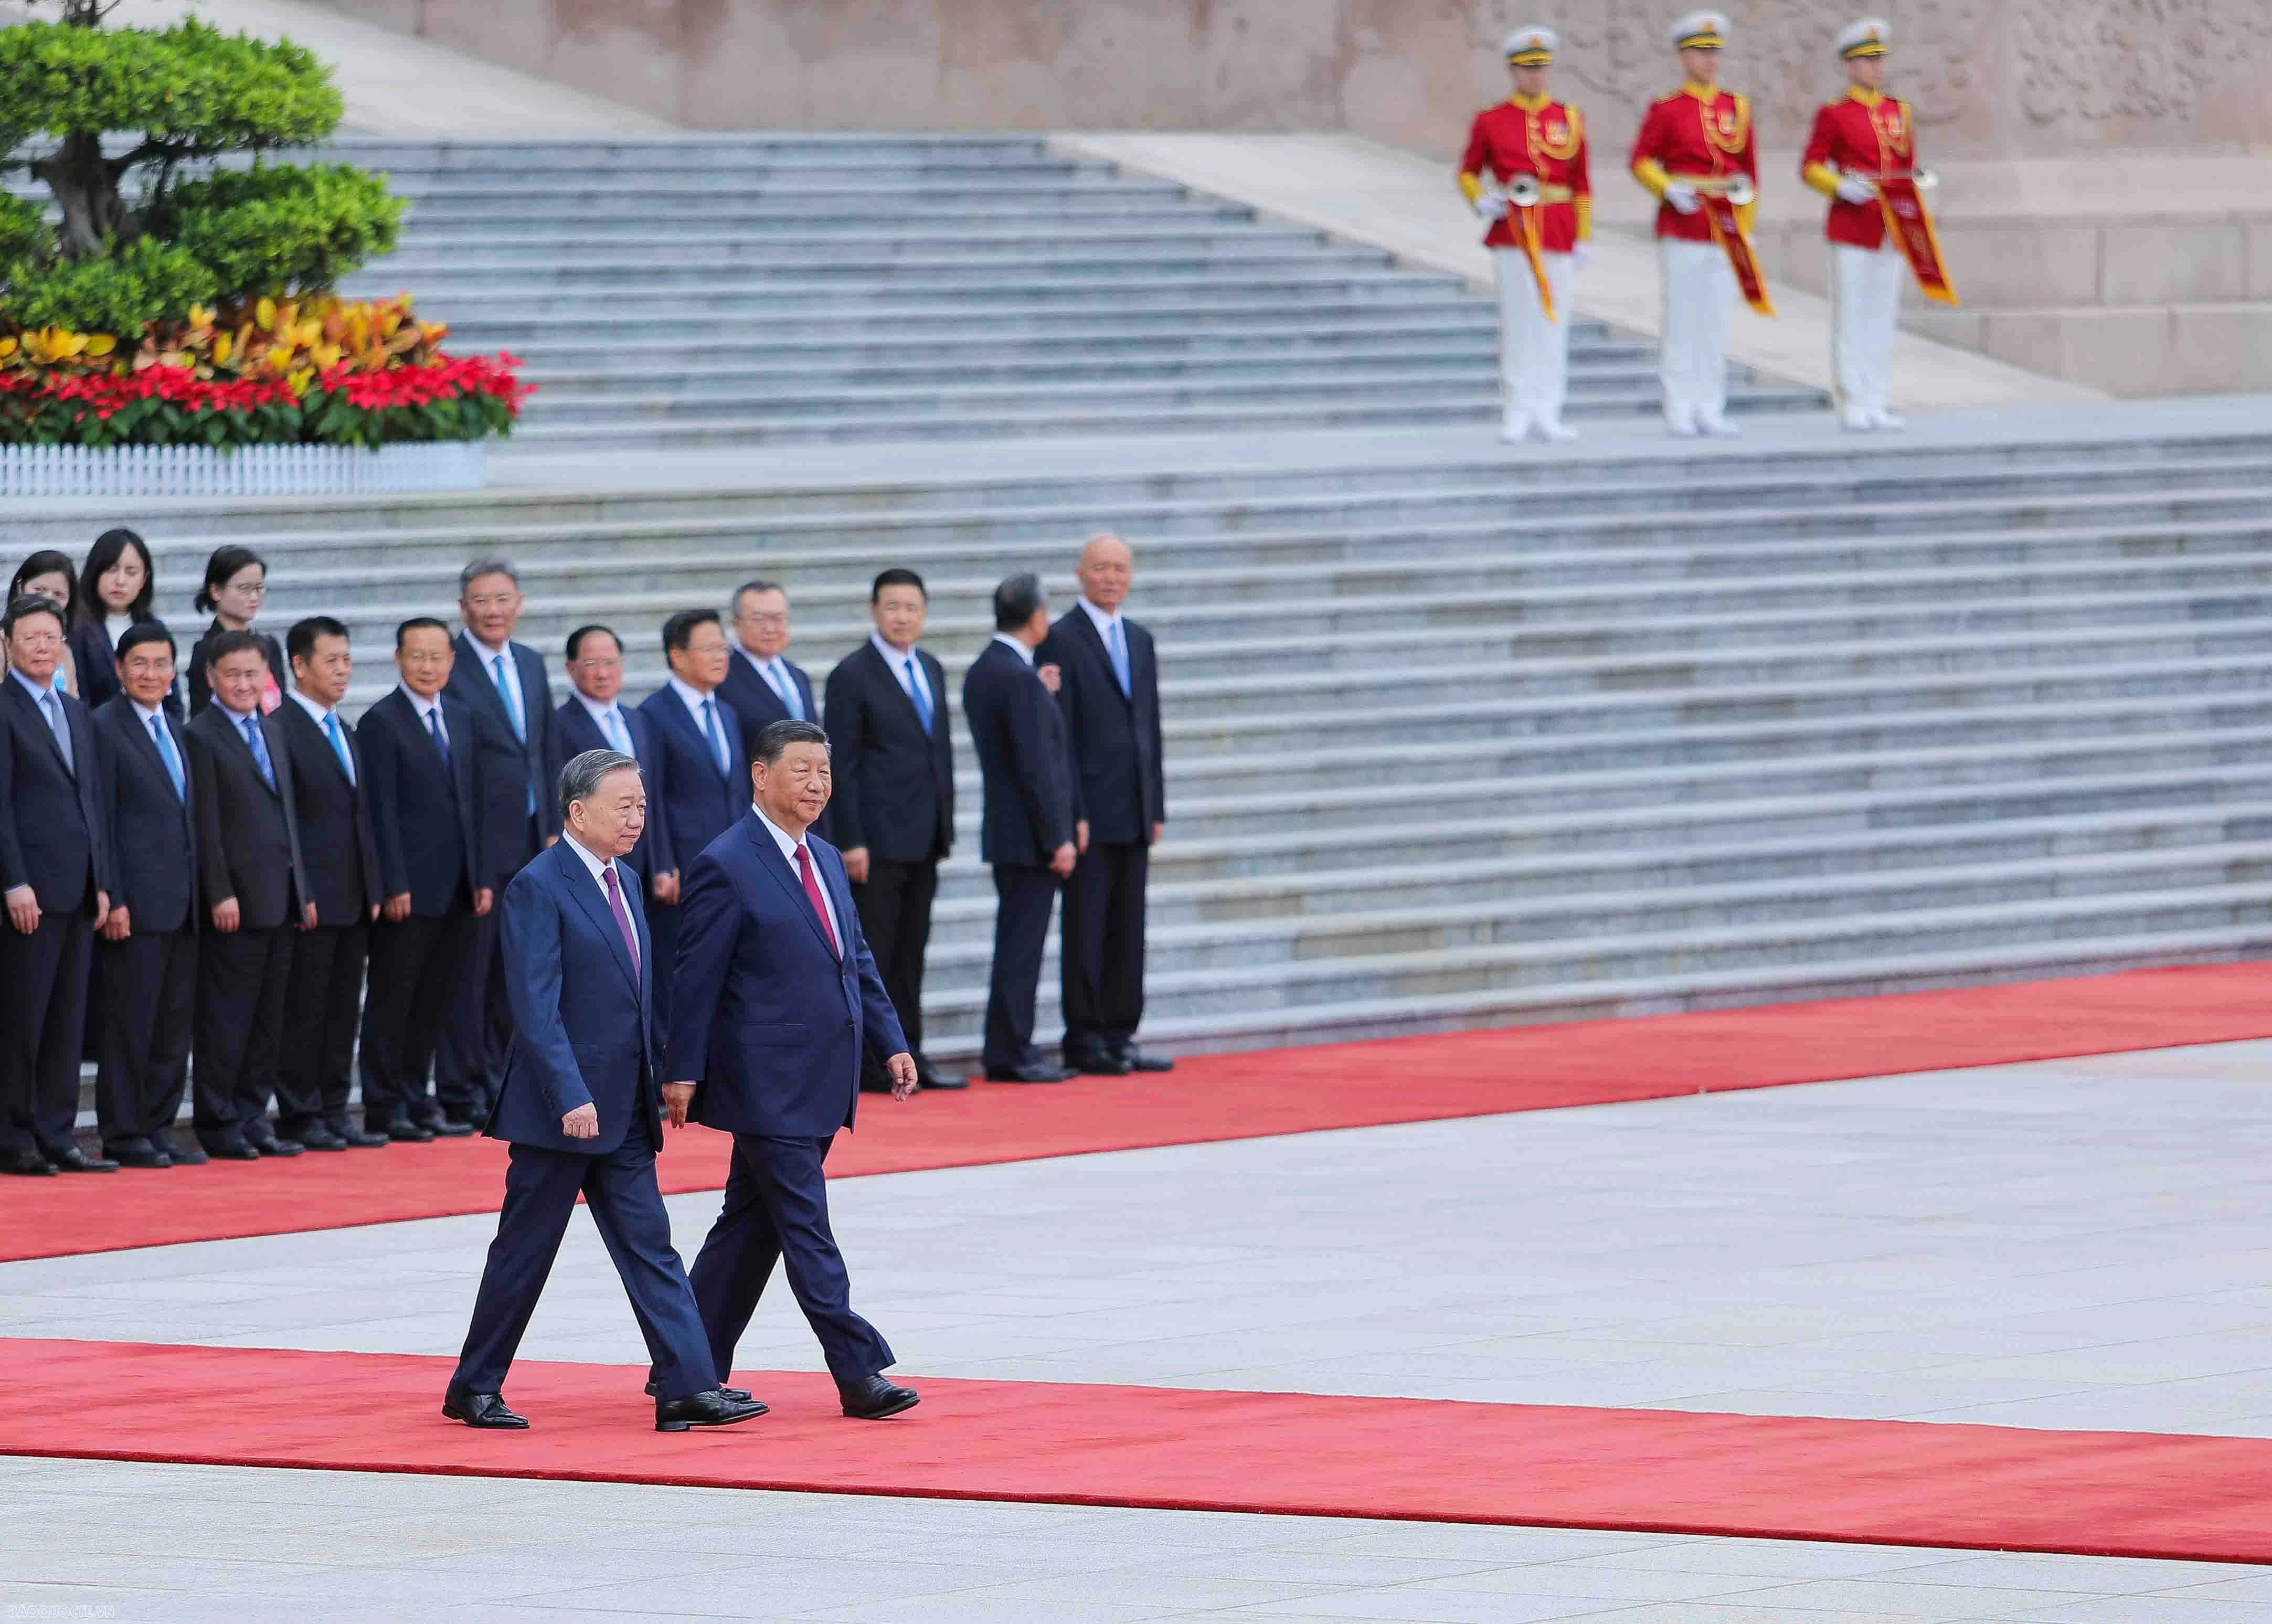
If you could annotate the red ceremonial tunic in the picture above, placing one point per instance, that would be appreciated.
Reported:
(1860, 131)
(1543, 138)
(1693, 132)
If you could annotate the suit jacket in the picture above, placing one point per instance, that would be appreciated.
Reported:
(894, 782)
(697, 802)
(1019, 734)
(422, 813)
(248, 834)
(201, 696)
(764, 1016)
(583, 1012)
(152, 831)
(759, 706)
(1117, 783)
(53, 830)
(512, 769)
(338, 848)
(654, 854)
(94, 652)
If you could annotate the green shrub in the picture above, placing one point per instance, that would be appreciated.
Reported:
(142, 282)
(279, 231)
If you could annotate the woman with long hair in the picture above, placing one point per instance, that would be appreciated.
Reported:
(116, 588)
(235, 587)
(48, 575)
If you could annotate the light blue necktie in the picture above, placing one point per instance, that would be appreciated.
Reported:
(260, 746)
(339, 745)
(1119, 649)
(916, 692)
(166, 754)
(616, 734)
(717, 740)
(52, 708)
(512, 714)
(786, 686)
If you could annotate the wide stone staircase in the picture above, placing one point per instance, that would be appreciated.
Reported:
(1482, 742)
(774, 290)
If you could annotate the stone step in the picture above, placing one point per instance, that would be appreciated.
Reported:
(1231, 253)
(526, 154)
(1008, 275)
(860, 241)
(481, 213)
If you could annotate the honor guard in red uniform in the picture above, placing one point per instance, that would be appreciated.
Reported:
(1694, 142)
(1862, 134)
(1525, 174)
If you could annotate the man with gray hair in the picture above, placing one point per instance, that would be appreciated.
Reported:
(517, 736)
(763, 684)
(1027, 832)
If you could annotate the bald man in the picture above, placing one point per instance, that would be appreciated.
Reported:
(1110, 692)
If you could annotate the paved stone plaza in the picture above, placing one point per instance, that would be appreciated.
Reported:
(2074, 1245)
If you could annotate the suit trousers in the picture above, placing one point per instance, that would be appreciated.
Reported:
(662, 949)
(1102, 957)
(776, 1209)
(146, 990)
(1534, 352)
(1865, 304)
(895, 908)
(413, 964)
(1692, 356)
(477, 1029)
(243, 979)
(45, 1031)
(320, 1017)
(1024, 898)
(540, 1188)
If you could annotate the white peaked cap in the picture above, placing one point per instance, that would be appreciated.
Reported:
(1534, 40)
(1700, 26)
(1872, 36)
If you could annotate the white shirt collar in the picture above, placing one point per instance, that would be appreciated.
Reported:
(896, 658)
(600, 709)
(1105, 619)
(423, 706)
(761, 666)
(787, 843)
(319, 714)
(148, 712)
(692, 697)
(1015, 646)
(494, 649)
(593, 865)
(238, 717)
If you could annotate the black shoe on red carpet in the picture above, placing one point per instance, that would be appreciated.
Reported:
(486, 1411)
(709, 1407)
(740, 1395)
(874, 1397)
(1137, 1060)
(76, 1161)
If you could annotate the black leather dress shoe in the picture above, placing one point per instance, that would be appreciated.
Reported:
(355, 1138)
(321, 1139)
(1033, 1071)
(740, 1395)
(931, 1077)
(1097, 1062)
(875, 1398)
(274, 1144)
(410, 1133)
(232, 1150)
(1139, 1061)
(76, 1161)
(709, 1409)
(137, 1153)
(451, 1127)
(28, 1164)
(191, 1155)
(483, 1410)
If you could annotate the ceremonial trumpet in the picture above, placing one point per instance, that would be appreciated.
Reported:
(1738, 189)
(1523, 191)
(1922, 179)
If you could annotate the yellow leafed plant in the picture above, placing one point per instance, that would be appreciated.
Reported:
(295, 339)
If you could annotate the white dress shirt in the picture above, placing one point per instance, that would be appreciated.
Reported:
(774, 673)
(619, 734)
(909, 670)
(694, 699)
(788, 843)
(490, 657)
(1105, 620)
(430, 712)
(1015, 646)
(320, 714)
(595, 865)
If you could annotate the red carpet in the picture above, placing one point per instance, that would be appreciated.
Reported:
(1884, 1482)
(1219, 1097)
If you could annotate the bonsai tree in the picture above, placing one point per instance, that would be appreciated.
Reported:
(122, 126)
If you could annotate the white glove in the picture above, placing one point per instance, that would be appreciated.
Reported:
(1580, 253)
(1682, 196)
(1491, 206)
(1854, 189)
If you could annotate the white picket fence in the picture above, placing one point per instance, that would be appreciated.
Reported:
(247, 471)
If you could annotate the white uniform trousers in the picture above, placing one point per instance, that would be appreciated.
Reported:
(1692, 354)
(1534, 352)
(1866, 293)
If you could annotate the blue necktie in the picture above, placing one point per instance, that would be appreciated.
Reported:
(339, 745)
(253, 736)
(1119, 650)
(441, 739)
(717, 740)
(786, 686)
(166, 754)
(616, 734)
(512, 714)
(916, 692)
(52, 709)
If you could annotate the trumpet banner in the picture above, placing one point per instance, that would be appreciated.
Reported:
(1910, 222)
(1728, 232)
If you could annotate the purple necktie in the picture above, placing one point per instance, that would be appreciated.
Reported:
(622, 919)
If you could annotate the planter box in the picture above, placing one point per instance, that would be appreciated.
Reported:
(247, 471)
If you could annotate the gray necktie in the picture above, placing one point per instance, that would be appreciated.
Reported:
(52, 708)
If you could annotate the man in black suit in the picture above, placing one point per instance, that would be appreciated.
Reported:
(1111, 696)
(422, 782)
(894, 809)
(1028, 830)
(341, 859)
(503, 684)
(594, 717)
(145, 963)
(762, 683)
(704, 787)
(256, 899)
(55, 871)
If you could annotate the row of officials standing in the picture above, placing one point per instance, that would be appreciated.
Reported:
(223, 887)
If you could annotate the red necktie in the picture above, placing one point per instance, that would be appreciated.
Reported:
(622, 915)
(812, 892)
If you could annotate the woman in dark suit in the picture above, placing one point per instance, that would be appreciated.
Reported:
(237, 586)
(114, 594)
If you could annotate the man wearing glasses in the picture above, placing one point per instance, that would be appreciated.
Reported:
(595, 717)
(762, 685)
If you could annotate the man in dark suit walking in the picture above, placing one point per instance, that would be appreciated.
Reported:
(895, 810)
(423, 785)
(778, 998)
(704, 782)
(341, 855)
(54, 871)
(1028, 830)
(1111, 696)
(581, 1108)
(762, 683)
(503, 686)
(594, 717)
(146, 962)
(257, 900)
